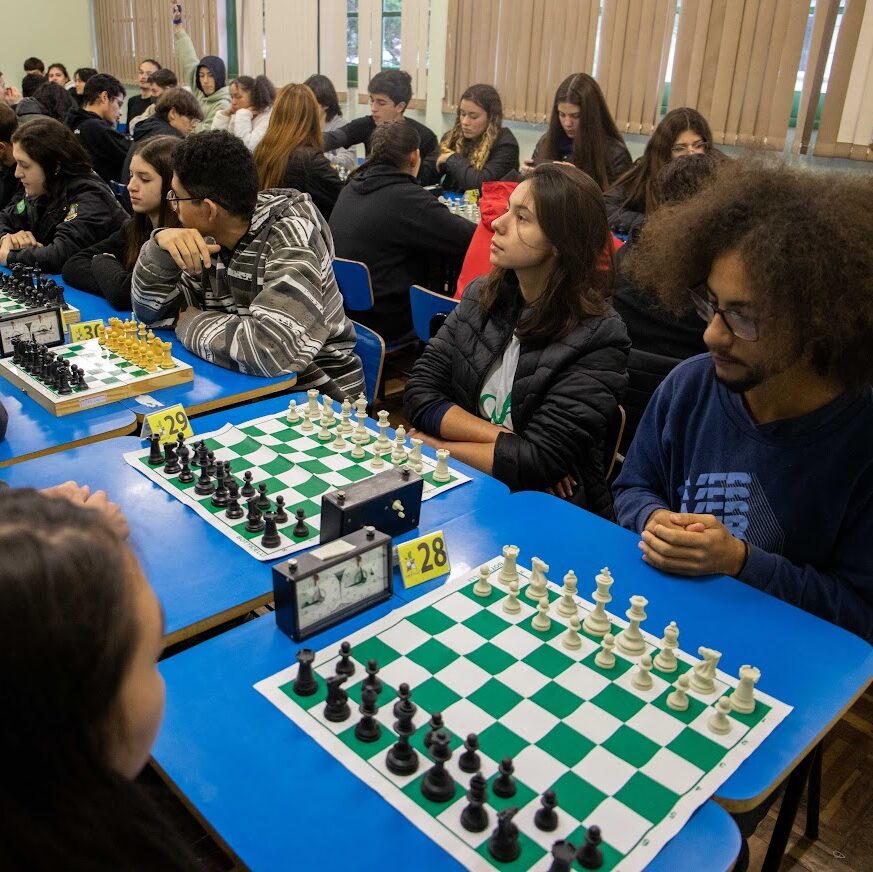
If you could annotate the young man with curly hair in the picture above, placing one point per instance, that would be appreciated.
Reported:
(756, 460)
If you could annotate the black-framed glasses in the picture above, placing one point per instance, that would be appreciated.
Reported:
(741, 326)
(173, 200)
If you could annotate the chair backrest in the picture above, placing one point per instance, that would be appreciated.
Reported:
(646, 371)
(353, 279)
(613, 440)
(370, 347)
(426, 305)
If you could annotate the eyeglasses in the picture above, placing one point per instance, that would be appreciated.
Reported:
(173, 200)
(695, 148)
(742, 327)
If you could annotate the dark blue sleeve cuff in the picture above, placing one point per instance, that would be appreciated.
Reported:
(432, 418)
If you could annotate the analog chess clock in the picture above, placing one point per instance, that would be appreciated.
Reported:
(46, 326)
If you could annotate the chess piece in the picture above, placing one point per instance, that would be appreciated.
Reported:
(167, 361)
(665, 660)
(323, 434)
(703, 672)
(185, 474)
(474, 817)
(590, 855)
(469, 760)
(271, 538)
(264, 503)
(537, 586)
(281, 514)
(483, 586)
(567, 606)
(437, 785)
(156, 457)
(345, 421)
(372, 679)
(571, 639)
(339, 444)
(204, 486)
(398, 452)
(312, 396)
(345, 665)
(642, 678)
(434, 726)
(376, 462)
(743, 697)
(504, 784)
(631, 641)
(368, 729)
(305, 684)
(563, 855)
(511, 605)
(248, 489)
(307, 426)
(678, 698)
(413, 459)
(509, 570)
(541, 620)
(292, 416)
(719, 722)
(546, 818)
(597, 622)
(336, 708)
(301, 528)
(234, 510)
(254, 519)
(402, 758)
(383, 443)
(503, 845)
(441, 474)
(358, 452)
(604, 658)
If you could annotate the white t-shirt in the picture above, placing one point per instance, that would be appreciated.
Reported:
(495, 402)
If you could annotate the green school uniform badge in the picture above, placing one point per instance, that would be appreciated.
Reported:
(20, 207)
(72, 212)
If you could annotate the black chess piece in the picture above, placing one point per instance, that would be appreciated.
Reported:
(254, 519)
(81, 384)
(156, 456)
(264, 503)
(504, 784)
(469, 759)
(336, 707)
(228, 475)
(64, 381)
(197, 456)
(546, 818)
(234, 509)
(204, 485)
(474, 817)
(210, 462)
(281, 514)
(438, 784)
(248, 489)
(301, 528)
(305, 683)
(402, 758)
(590, 856)
(220, 496)
(563, 855)
(345, 666)
(404, 707)
(372, 679)
(171, 462)
(368, 729)
(185, 474)
(503, 845)
(271, 538)
(435, 724)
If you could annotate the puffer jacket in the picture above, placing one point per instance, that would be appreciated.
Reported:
(564, 396)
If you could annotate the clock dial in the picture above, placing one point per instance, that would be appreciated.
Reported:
(44, 326)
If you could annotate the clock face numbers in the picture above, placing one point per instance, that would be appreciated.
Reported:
(43, 327)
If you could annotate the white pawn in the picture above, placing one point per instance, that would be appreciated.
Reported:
(597, 622)
(339, 444)
(665, 659)
(631, 641)
(383, 443)
(482, 587)
(642, 679)
(541, 620)
(377, 462)
(571, 639)
(357, 449)
(346, 425)
(441, 473)
(292, 416)
(743, 697)
(720, 722)
(398, 454)
(307, 426)
(536, 588)
(511, 605)
(604, 658)
(567, 603)
(313, 402)
(323, 434)
(509, 570)
(678, 698)
(414, 457)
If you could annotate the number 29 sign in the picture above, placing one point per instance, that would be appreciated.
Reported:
(423, 559)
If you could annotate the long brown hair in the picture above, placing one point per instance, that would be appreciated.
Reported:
(294, 123)
(596, 127)
(571, 213)
(476, 150)
(390, 145)
(57, 151)
(642, 195)
(157, 152)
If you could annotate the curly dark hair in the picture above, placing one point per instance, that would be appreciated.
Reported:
(806, 240)
(55, 100)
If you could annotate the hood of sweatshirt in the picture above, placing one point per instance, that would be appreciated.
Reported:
(154, 125)
(215, 65)
(288, 203)
(78, 116)
(374, 178)
(28, 106)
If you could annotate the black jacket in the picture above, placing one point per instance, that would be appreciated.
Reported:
(107, 147)
(618, 159)
(622, 219)
(359, 130)
(93, 271)
(384, 218)
(10, 187)
(136, 105)
(461, 175)
(83, 212)
(564, 396)
(310, 171)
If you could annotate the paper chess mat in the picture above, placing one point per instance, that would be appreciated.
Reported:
(109, 377)
(291, 463)
(616, 757)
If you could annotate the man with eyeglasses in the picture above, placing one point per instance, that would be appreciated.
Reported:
(756, 460)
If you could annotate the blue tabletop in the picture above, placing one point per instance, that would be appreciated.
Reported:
(201, 577)
(278, 800)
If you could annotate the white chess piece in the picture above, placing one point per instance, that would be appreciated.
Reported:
(567, 605)
(441, 473)
(323, 434)
(346, 424)
(743, 697)
(292, 416)
(665, 659)
(377, 462)
(509, 570)
(383, 443)
(339, 444)
(537, 586)
(642, 679)
(604, 658)
(631, 641)
(307, 426)
(511, 605)
(358, 449)
(541, 620)
(328, 412)
(678, 698)
(482, 587)
(571, 639)
(361, 435)
(361, 407)
(398, 453)
(414, 457)
(597, 622)
(720, 722)
(703, 672)
(313, 402)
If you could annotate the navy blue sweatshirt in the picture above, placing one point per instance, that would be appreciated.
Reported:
(798, 491)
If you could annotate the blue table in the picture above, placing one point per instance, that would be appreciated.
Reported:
(277, 800)
(202, 578)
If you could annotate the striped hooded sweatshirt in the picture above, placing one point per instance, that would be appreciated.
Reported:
(269, 307)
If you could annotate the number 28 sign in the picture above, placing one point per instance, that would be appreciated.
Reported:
(423, 558)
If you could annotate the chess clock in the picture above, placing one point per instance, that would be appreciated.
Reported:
(332, 582)
(45, 325)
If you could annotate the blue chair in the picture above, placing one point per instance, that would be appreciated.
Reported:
(426, 305)
(353, 279)
(370, 347)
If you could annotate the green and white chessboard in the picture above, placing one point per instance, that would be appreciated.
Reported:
(615, 756)
(10, 306)
(292, 463)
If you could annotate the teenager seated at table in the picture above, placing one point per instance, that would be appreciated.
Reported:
(9, 184)
(331, 119)
(385, 219)
(582, 132)
(756, 460)
(106, 267)
(526, 374)
(251, 104)
(390, 92)
(291, 154)
(478, 148)
(160, 82)
(247, 279)
(81, 632)
(681, 132)
(138, 103)
(66, 206)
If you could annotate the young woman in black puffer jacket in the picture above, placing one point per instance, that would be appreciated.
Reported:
(525, 377)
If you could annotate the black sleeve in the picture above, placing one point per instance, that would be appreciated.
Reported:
(429, 151)
(503, 158)
(113, 280)
(618, 160)
(430, 226)
(621, 219)
(11, 220)
(323, 183)
(77, 270)
(358, 130)
(108, 148)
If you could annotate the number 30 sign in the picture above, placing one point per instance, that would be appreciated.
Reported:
(423, 558)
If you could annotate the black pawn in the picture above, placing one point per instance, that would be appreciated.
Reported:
(402, 758)
(435, 724)
(546, 818)
(182, 450)
(228, 475)
(336, 707)
(171, 462)
(368, 729)
(474, 817)
(185, 475)
(372, 679)
(504, 784)
(81, 384)
(563, 855)
(270, 539)
(254, 518)
(301, 528)
(234, 509)
(204, 485)
(263, 503)
(64, 381)
(305, 683)
(248, 489)
(438, 784)
(590, 856)
(503, 845)
(156, 456)
(469, 760)
(281, 514)
(345, 666)
(404, 708)
(210, 462)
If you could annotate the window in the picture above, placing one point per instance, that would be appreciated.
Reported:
(352, 43)
(391, 34)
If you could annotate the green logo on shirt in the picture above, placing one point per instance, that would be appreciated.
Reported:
(20, 207)
(494, 416)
